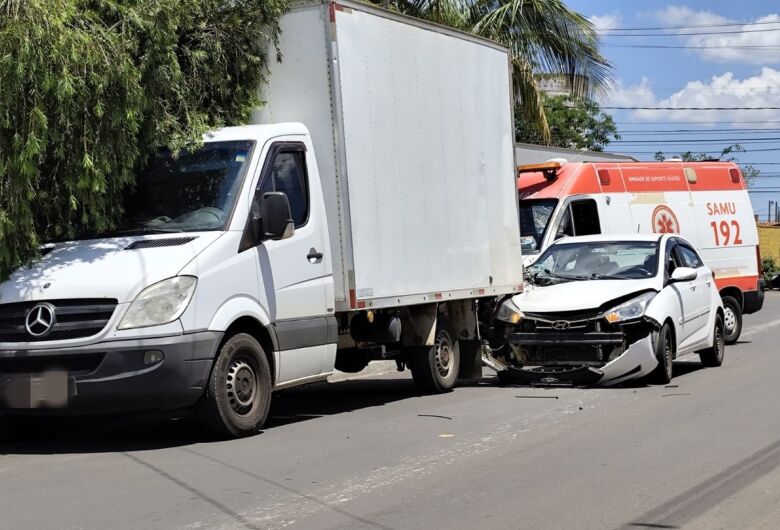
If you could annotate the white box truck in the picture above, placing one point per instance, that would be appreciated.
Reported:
(362, 216)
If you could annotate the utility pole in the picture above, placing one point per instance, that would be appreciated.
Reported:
(769, 213)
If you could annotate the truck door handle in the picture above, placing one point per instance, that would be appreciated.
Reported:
(314, 256)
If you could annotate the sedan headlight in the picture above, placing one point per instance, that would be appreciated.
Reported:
(160, 303)
(509, 313)
(631, 310)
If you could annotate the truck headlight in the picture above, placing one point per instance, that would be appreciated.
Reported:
(160, 303)
(633, 309)
(509, 313)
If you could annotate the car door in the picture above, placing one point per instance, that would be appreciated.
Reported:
(683, 305)
(698, 320)
(297, 278)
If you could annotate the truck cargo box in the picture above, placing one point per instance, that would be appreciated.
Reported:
(413, 132)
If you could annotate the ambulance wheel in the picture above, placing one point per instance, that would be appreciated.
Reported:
(435, 368)
(732, 319)
(238, 393)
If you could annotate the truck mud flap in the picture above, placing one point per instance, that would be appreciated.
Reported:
(551, 376)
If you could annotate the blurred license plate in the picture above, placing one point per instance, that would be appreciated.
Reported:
(32, 391)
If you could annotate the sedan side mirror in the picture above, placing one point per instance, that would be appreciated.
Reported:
(277, 222)
(684, 274)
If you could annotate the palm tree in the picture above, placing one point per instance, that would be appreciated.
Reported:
(543, 37)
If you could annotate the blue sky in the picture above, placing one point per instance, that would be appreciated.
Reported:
(716, 54)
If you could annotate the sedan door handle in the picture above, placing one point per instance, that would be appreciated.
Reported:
(314, 256)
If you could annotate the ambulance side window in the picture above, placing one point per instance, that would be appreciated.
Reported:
(585, 215)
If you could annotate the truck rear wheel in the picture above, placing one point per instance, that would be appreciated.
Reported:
(238, 393)
(732, 319)
(435, 368)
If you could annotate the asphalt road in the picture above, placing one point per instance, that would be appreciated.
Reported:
(701, 453)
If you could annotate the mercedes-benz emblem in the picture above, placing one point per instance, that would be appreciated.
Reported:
(561, 324)
(40, 320)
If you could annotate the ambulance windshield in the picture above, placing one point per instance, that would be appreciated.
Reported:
(535, 216)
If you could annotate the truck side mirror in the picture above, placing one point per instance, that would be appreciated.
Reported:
(276, 218)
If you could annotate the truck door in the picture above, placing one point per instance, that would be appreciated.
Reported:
(295, 272)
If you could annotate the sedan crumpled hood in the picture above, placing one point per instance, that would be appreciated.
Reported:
(102, 268)
(578, 295)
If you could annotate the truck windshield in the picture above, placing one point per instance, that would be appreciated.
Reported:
(603, 260)
(535, 215)
(194, 191)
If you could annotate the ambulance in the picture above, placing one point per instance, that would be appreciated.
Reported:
(705, 202)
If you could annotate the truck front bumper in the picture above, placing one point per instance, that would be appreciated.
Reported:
(112, 376)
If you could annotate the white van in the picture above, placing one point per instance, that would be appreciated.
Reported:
(281, 250)
(705, 202)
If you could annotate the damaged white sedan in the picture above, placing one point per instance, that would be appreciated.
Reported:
(606, 309)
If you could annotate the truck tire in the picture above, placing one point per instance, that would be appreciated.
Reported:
(713, 356)
(238, 393)
(435, 368)
(732, 319)
(664, 352)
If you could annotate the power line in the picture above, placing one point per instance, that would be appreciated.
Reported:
(650, 132)
(703, 122)
(691, 33)
(685, 108)
(695, 26)
(691, 47)
(701, 141)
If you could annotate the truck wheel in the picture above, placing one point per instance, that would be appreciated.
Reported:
(713, 356)
(238, 393)
(435, 368)
(732, 319)
(664, 352)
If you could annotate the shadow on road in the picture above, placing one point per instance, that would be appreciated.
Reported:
(149, 431)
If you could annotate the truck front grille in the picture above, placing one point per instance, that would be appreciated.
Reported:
(73, 319)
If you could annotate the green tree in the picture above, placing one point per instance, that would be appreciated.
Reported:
(89, 89)
(543, 37)
(575, 123)
(748, 172)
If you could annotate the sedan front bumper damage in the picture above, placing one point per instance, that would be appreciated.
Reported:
(569, 367)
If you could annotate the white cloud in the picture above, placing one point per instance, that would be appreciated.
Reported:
(725, 90)
(726, 43)
(606, 21)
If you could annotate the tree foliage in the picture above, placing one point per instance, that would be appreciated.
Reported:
(543, 36)
(749, 172)
(89, 89)
(575, 123)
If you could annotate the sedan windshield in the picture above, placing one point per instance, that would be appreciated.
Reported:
(534, 217)
(603, 260)
(193, 191)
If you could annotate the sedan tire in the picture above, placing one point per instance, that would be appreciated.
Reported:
(664, 352)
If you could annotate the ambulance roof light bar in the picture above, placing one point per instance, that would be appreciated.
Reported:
(549, 169)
